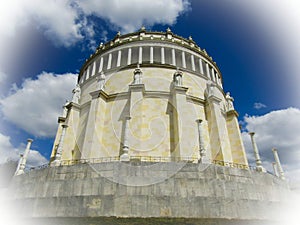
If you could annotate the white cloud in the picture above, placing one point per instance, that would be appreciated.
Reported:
(259, 105)
(3, 78)
(279, 129)
(9, 152)
(35, 159)
(66, 22)
(3, 82)
(60, 21)
(132, 14)
(35, 106)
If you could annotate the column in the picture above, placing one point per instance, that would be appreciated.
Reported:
(82, 78)
(119, 58)
(94, 69)
(22, 161)
(109, 61)
(162, 55)
(173, 57)
(183, 60)
(202, 150)
(201, 66)
(101, 65)
(207, 71)
(218, 80)
(259, 166)
(213, 74)
(87, 73)
(151, 54)
(140, 55)
(125, 148)
(274, 165)
(278, 164)
(193, 62)
(58, 154)
(129, 57)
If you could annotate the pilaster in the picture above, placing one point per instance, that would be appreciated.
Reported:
(237, 147)
(60, 147)
(92, 147)
(136, 121)
(178, 105)
(71, 148)
(220, 146)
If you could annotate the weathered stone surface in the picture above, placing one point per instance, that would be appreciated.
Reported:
(197, 192)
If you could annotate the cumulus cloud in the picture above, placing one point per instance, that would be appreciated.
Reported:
(259, 105)
(35, 106)
(3, 77)
(35, 159)
(3, 82)
(66, 22)
(60, 21)
(132, 14)
(9, 152)
(279, 129)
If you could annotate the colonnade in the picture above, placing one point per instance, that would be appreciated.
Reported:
(164, 55)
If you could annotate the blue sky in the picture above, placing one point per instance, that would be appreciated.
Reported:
(255, 44)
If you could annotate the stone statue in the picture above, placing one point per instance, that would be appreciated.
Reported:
(101, 81)
(137, 77)
(211, 86)
(76, 94)
(65, 109)
(177, 78)
(229, 100)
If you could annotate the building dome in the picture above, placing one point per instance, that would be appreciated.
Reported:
(151, 96)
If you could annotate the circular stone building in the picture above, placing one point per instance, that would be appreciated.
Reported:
(149, 137)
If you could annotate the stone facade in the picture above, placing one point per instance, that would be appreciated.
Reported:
(154, 86)
(99, 193)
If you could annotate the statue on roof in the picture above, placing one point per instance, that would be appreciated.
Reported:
(137, 77)
(76, 94)
(65, 109)
(101, 81)
(177, 78)
(229, 100)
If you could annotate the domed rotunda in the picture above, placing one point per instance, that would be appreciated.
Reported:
(149, 137)
(149, 96)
